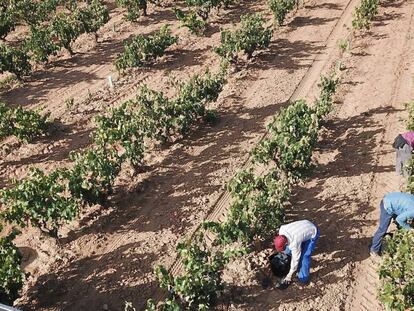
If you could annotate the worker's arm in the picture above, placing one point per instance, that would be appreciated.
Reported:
(296, 252)
(404, 217)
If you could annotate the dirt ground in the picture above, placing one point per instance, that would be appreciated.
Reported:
(355, 169)
(107, 256)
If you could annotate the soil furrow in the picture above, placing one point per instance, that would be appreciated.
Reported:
(320, 62)
(108, 257)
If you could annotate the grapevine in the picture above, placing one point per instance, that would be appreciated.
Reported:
(257, 208)
(200, 284)
(151, 114)
(40, 44)
(324, 104)
(293, 136)
(281, 8)
(134, 7)
(93, 17)
(121, 129)
(24, 124)
(53, 24)
(251, 36)
(66, 28)
(40, 200)
(11, 275)
(294, 133)
(410, 122)
(397, 272)
(169, 304)
(14, 60)
(93, 174)
(142, 50)
(190, 21)
(5, 121)
(364, 14)
(34, 13)
(7, 21)
(203, 7)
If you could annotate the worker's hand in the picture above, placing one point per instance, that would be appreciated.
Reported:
(283, 284)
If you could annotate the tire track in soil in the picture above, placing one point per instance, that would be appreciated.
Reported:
(320, 63)
(367, 281)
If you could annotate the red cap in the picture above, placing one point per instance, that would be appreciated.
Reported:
(280, 242)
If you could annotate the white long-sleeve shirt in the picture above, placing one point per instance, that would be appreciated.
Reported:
(296, 233)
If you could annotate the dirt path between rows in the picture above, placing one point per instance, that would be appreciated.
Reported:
(399, 70)
(355, 170)
(83, 79)
(306, 89)
(107, 257)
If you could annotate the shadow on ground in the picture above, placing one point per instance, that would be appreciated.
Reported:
(353, 139)
(165, 200)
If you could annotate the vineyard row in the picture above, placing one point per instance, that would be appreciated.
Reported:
(56, 24)
(257, 209)
(48, 200)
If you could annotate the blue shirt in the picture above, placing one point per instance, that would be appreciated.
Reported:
(400, 204)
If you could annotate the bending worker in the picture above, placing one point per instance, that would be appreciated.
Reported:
(394, 205)
(403, 145)
(298, 238)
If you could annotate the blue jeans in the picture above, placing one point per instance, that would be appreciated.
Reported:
(385, 220)
(305, 258)
(307, 248)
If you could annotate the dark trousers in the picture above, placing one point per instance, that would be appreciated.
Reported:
(384, 223)
(403, 155)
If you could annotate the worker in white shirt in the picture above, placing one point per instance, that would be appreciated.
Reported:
(298, 238)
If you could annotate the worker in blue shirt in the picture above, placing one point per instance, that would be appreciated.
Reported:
(394, 205)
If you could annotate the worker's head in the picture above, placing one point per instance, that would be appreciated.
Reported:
(280, 243)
